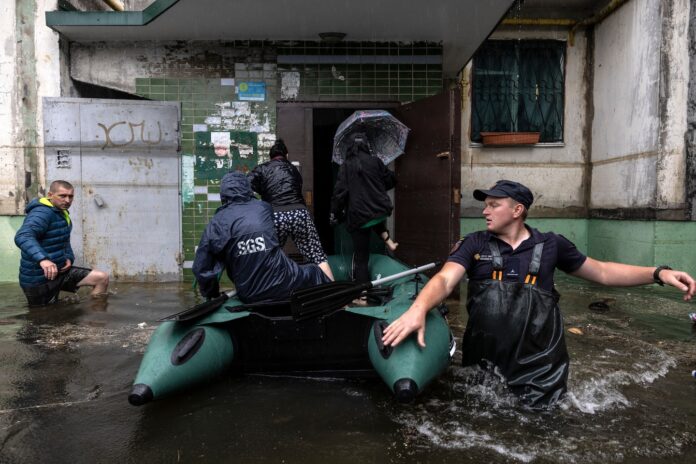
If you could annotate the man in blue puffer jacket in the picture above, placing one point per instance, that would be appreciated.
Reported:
(241, 238)
(46, 266)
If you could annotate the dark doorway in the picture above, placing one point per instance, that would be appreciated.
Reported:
(325, 123)
(427, 197)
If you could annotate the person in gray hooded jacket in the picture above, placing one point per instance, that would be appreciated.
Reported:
(241, 238)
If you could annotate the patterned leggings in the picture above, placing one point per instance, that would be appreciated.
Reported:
(298, 225)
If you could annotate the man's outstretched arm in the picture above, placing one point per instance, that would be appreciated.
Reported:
(626, 275)
(435, 291)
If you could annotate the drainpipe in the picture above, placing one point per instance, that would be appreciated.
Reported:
(115, 5)
(609, 8)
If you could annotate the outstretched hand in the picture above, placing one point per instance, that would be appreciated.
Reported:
(409, 322)
(680, 280)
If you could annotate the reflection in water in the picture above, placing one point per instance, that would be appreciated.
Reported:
(67, 370)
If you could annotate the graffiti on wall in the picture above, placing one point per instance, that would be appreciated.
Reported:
(109, 141)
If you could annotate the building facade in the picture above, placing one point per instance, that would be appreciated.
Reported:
(606, 85)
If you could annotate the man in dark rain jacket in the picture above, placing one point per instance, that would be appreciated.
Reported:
(241, 238)
(514, 321)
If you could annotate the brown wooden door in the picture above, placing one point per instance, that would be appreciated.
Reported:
(427, 194)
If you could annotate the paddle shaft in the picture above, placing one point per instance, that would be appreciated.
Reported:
(405, 273)
(201, 309)
(215, 302)
(325, 298)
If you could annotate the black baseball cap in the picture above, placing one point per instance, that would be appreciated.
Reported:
(507, 189)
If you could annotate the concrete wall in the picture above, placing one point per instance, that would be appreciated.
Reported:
(29, 70)
(11, 159)
(118, 65)
(640, 83)
(691, 119)
(574, 230)
(556, 173)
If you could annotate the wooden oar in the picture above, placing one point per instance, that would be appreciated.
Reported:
(325, 298)
(200, 309)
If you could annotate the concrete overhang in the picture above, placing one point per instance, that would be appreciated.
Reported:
(459, 25)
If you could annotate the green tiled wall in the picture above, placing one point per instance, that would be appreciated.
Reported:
(379, 80)
(366, 82)
(211, 104)
(646, 243)
(9, 253)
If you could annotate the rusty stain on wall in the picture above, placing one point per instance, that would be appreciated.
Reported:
(137, 162)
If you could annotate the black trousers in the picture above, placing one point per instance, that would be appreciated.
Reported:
(361, 250)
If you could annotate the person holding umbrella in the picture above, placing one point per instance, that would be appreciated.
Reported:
(360, 199)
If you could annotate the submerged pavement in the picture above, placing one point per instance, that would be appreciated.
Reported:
(66, 371)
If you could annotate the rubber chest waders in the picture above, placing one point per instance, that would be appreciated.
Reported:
(518, 327)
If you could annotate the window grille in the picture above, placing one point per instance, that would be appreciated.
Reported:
(518, 86)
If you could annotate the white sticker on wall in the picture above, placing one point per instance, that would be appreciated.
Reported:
(187, 169)
(290, 85)
(221, 143)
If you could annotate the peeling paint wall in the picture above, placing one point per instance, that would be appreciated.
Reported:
(11, 159)
(555, 172)
(690, 136)
(640, 85)
(29, 70)
(118, 65)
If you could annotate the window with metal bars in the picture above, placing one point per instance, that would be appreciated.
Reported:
(518, 86)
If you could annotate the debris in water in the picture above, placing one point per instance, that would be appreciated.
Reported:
(692, 316)
(601, 306)
(142, 325)
(575, 330)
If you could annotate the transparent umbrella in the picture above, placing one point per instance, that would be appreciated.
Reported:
(386, 135)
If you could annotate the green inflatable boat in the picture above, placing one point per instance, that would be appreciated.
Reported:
(327, 340)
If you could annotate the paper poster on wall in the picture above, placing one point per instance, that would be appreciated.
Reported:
(221, 143)
(251, 91)
(187, 184)
(217, 153)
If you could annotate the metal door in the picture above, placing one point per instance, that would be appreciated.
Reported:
(123, 159)
(427, 194)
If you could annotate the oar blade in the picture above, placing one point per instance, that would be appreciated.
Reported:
(323, 299)
(199, 310)
(322, 289)
(327, 298)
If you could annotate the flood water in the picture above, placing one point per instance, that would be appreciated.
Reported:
(66, 370)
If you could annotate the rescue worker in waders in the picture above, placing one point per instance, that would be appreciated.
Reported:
(241, 238)
(515, 322)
